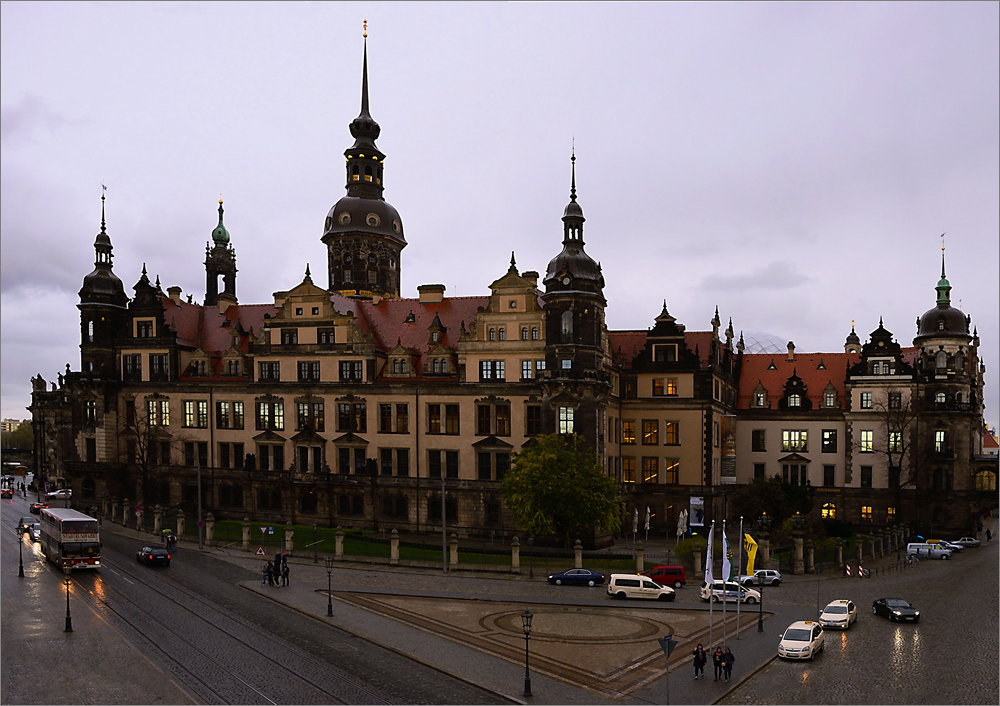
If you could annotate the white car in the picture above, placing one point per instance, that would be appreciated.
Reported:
(839, 614)
(967, 542)
(802, 640)
(767, 577)
(63, 493)
(636, 586)
(729, 592)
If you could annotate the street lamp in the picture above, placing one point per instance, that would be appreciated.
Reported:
(329, 589)
(315, 546)
(763, 523)
(531, 558)
(20, 557)
(526, 617)
(69, 619)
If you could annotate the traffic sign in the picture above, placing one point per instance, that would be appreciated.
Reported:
(138, 513)
(260, 551)
(668, 643)
(201, 523)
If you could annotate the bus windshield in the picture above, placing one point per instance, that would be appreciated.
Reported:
(81, 549)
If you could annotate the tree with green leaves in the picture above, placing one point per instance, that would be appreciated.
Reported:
(556, 486)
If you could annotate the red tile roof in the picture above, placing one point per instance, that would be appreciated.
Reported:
(626, 345)
(989, 441)
(206, 328)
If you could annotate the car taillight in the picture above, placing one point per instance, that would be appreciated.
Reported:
(168, 556)
(150, 556)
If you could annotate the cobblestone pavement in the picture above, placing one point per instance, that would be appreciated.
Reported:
(950, 657)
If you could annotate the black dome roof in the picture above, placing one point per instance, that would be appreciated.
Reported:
(354, 214)
(943, 319)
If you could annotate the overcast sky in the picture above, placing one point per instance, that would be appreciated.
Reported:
(792, 164)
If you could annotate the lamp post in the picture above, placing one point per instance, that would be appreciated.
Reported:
(69, 618)
(329, 588)
(315, 546)
(531, 557)
(526, 617)
(763, 523)
(20, 556)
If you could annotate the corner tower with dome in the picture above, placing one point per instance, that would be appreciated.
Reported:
(363, 233)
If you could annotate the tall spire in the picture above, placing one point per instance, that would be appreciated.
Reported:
(943, 286)
(572, 188)
(364, 74)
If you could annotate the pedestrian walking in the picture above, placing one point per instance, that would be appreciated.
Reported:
(284, 574)
(269, 570)
(989, 535)
(727, 663)
(717, 663)
(700, 660)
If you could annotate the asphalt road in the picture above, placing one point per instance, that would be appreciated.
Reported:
(219, 643)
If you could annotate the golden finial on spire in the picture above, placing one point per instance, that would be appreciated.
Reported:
(365, 33)
(942, 242)
(220, 197)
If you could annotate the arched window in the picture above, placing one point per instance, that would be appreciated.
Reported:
(403, 366)
(395, 365)
(794, 400)
(493, 334)
(566, 325)
(986, 480)
(503, 334)
(829, 511)
(524, 333)
(437, 365)
(444, 365)
(534, 333)
(90, 332)
(940, 398)
(941, 360)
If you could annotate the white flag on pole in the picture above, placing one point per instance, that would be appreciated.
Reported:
(647, 518)
(727, 558)
(709, 579)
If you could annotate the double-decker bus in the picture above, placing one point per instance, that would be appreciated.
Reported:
(70, 539)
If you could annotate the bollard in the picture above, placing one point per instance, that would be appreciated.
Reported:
(180, 524)
(209, 527)
(453, 551)
(578, 555)
(765, 552)
(840, 553)
(696, 553)
(246, 534)
(157, 520)
(640, 558)
(289, 538)
(125, 509)
(338, 542)
(810, 557)
(394, 549)
(515, 556)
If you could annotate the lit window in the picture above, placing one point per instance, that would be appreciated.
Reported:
(866, 400)
(866, 512)
(565, 420)
(867, 441)
(830, 399)
(829, 511)
(794, 440)
(794, 400)
(671, 387)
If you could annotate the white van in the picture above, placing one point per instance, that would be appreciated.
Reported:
(926, 550)
(636, 586)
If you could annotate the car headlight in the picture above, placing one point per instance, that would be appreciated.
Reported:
(916, 613)
(896, 612)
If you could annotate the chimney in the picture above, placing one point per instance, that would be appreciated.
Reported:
(791, 352)
(431, 293)
(175, 295)
(532, 277)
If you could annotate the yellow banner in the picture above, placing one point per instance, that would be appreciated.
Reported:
(750, 547)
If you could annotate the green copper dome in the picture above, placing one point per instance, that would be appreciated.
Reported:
(220, 235)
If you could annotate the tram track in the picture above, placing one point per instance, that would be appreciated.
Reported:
(281, 672)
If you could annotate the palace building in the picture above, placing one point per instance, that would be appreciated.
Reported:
(349, 404)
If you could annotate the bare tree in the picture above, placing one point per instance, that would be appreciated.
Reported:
(147, 450)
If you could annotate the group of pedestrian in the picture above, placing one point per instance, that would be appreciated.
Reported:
(276, 572)
(722, 661)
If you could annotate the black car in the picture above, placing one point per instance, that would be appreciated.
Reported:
(25, 524)
(577, 577)
(36, 508)
(6, 493)
(151, 556)
(896, 609)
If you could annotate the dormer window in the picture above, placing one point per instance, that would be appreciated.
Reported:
(830, 399)
(435, 336)
(795, 400)
(759, 399)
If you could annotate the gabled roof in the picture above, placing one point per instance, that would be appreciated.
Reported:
(206, 328)
(626, 345)
(756, 369)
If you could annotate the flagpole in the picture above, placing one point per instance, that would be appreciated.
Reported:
(725, 579)
(739, 573)
(710, 583)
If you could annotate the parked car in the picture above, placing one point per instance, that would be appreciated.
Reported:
(955, 548)
(802, 639)
(967, 542)
(636, 586)
(25, 523)
(762, 576)
(6, 493)
(667, 575)
(153, 555)
(926, 550)
(732, 591)
(59, 494)
(36, 508)
(577, 577)
(895, 609)
(838, 614)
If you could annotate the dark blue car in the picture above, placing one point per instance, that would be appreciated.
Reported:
(577, 577)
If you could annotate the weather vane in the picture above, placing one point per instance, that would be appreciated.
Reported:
(942, 242)
(365, 33)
